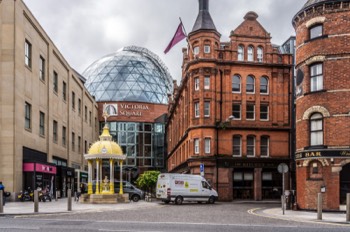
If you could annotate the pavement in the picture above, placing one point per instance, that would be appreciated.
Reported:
(61, 207)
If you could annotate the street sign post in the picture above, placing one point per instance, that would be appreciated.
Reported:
(283, 168)
(201, 169)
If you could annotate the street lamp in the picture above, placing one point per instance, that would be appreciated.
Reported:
(219, 125)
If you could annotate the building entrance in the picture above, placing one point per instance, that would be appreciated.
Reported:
(243, 184)
(344, 183)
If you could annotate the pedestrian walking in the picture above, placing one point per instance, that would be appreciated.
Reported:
(2, 187)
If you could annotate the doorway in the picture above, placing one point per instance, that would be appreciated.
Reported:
(344, 183)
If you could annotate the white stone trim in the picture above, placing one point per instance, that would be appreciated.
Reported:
(314, 21)
(314, 109)
(315, 59)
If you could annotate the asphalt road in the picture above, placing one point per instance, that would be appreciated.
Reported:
(159, 217)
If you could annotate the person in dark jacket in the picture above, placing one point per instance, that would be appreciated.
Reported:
(2, 187)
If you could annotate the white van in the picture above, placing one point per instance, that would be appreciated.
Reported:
(172, 187)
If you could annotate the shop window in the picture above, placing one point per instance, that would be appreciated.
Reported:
(250, 87)
(316, 31)
(316, 77)
(316, 129)
(240, 53)
(236, 84)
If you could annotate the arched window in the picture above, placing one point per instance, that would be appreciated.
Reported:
(250, 145)
(316, 129)
(250, 88)
(264, 85)
(240, 53)
(260, 53)
(236, 84)
(250, 53)
(237, 145)
(316, 31)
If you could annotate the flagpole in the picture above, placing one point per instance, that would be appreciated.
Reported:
(186, 35)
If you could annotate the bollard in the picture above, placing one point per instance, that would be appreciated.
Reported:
(1, 201)
(69, 200)
(348, 207)
(56, 196)
(36, 201)
(319, 206)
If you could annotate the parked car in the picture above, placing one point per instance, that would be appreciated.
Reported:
(135, 194)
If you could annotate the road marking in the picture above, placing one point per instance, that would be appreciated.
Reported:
(253, 212)
(19, 228)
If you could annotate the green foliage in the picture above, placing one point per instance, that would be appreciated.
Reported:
(148, 180)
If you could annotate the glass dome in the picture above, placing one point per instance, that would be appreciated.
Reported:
(130, 74)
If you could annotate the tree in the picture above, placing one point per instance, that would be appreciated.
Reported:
(148, 180)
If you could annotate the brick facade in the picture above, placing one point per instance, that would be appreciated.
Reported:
(188, 130)
(329, 50)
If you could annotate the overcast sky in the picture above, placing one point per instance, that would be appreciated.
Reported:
(86, 30)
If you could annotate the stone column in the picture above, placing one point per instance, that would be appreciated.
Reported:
(90, 177)
(121, 177)
(101, 177)
(257, 184)
(111, 176)
(97, 190)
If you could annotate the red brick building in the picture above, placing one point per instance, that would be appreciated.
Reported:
(231, 112)
(323, 106)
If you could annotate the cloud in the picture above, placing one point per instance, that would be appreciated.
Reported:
(86, 30)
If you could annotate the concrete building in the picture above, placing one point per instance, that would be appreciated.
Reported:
(47, 117)
(230, 118)
(133, 85)
(322, 105)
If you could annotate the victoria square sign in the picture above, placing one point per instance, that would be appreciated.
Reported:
(323, 154)
(126, 109)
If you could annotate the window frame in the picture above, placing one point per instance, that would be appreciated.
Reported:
(196, 146)
(235, 83)
(234, 146)
(234, 112)
(265, 146)
(266, 85)
(42, 68)
(313, 29)
(250, 53)
(28, 54)
(207, 49)
(73, 100)
(196, 110)
(206, 109)
(260, 54)
(247, 112)
(314, 119)
(64, 136)
(73, 141)
(55, 81)
(196, 83)
(316, 78)
(64, 91)
(207, 145)
(206, 82)
(240, 53)
(264, 112)
(54, 131)
(41, 123)
(248, 91)
(27, 116)
(196, 50)
(251, 146)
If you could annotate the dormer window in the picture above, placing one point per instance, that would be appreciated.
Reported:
(196, 50)
(316, 31)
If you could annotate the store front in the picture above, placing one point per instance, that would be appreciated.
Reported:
(64, 180)
(39, 175)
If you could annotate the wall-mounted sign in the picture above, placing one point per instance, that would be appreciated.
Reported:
(126, 109)
(323, 154)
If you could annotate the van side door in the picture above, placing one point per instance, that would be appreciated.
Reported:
(206, 190)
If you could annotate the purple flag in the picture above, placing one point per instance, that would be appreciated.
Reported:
(179, 35)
